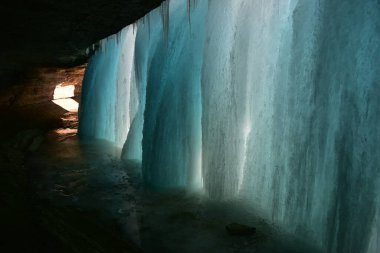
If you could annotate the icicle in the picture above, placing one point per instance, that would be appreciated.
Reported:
(191, 4)
(189, 12)
(118, 38)
(134, 27)
(103, 45)
(146, 21)
(165, 9)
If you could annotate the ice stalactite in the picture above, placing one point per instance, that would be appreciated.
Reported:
(165, 18)
(271, 102)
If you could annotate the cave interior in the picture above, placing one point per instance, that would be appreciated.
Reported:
(190, 126)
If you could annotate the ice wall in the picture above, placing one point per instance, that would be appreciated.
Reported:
(161, 60)
(172, 70)
(110, 96)
(271, 102)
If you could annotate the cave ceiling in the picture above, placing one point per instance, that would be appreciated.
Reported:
(51, 33)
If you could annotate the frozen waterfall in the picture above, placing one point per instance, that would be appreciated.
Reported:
(274, 102)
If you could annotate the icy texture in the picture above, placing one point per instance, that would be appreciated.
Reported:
(151, 72)
(170, 65)
(271, 102)
(111, 98)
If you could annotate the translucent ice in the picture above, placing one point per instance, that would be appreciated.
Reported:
(273, 102)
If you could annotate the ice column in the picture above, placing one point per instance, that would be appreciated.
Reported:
(170, 64)
(110, 96)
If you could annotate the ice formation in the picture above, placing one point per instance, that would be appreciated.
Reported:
(273, 102)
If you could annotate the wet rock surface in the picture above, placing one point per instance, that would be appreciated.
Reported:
(29, 140)
(32, 223)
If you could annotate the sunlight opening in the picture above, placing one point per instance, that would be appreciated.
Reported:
(64, 91)
(68, 104)
(63, 97)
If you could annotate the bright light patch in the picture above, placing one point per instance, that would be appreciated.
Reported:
(63, 97)
(64, 91)
(68, 104)
(66, 131)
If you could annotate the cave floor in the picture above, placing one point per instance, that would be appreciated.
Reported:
(89, 179)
